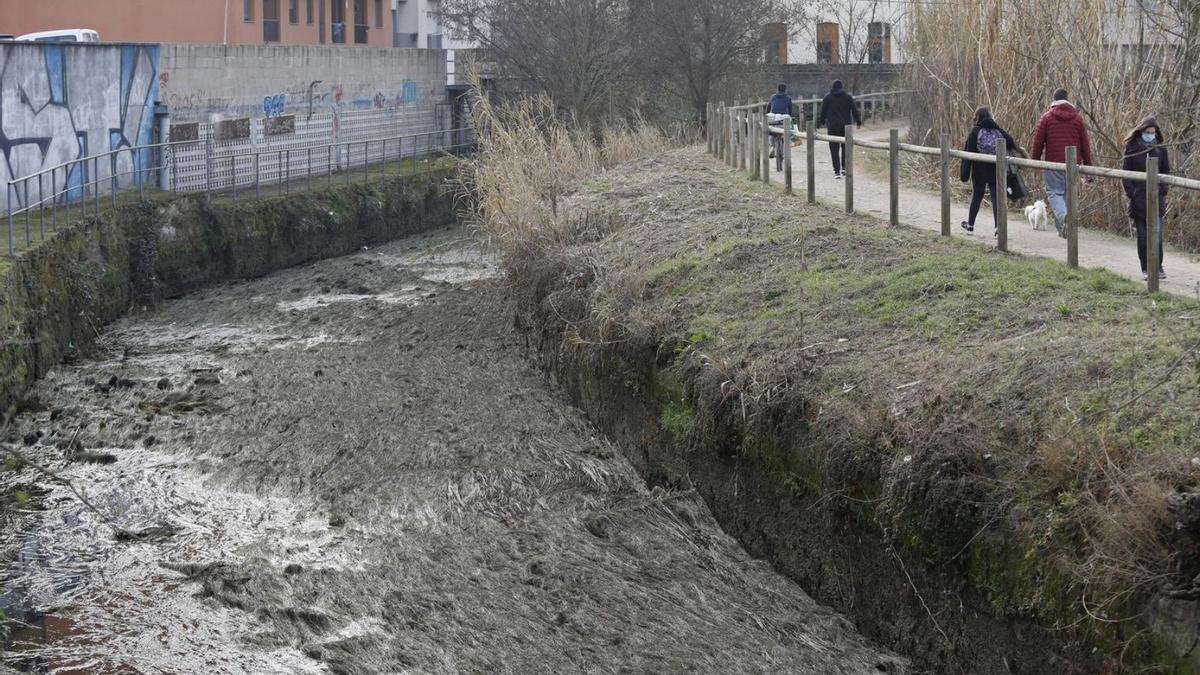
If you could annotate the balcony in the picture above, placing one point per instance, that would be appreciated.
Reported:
(360, 33)
(339, 33)
(406, 40)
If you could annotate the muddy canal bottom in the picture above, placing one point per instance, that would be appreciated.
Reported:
(351, 467)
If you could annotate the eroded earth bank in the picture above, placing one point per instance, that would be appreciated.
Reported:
(354, 467)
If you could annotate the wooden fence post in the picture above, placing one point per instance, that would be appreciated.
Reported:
(848, 168)
(755, 140)
(743, 142)
(768, 148)
(945, 188)
(1072, 221)
(731, 141)
(894, 177)
(787, 156)
(1153, 244)
(810, 159)
(1000, 194)
(708, 130)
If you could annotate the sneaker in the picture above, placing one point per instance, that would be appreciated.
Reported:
(967, 226)
(1062, 232)
(1162, 274)
(1144, 275)
(837, 176)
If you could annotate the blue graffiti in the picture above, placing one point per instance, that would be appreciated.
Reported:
(408, 94)
(52, 114)
(273, 105)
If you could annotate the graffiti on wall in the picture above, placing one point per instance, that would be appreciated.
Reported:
(60, 103)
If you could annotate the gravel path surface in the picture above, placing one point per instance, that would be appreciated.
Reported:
(922, 210)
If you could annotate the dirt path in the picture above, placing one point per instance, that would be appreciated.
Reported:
(352, 467)
(922, 210)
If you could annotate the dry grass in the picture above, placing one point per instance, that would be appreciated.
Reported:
(1044, 408)
(1011, 55)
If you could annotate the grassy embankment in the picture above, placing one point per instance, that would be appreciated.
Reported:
(1023, 426)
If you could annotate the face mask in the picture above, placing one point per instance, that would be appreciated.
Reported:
(1149, 138)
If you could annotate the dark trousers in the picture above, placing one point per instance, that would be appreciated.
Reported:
(1140, 224)
(983, 181)
(837, 151)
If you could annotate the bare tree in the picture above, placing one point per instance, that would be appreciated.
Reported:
(688, 47)
(575, 51)
(854, 18)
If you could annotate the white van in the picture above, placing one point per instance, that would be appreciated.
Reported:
(68, 35)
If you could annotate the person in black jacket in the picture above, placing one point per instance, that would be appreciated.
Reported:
(1145, 140)
(982, 175)
(838, 110)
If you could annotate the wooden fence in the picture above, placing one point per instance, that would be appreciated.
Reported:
(740, 136)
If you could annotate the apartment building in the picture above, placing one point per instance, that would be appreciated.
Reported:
(364, 23)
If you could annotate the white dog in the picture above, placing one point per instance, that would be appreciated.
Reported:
(1036, 214)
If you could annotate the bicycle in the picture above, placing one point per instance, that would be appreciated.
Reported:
(777, 140)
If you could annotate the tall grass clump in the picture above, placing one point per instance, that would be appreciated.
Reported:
(532, 155)
(1121, 60)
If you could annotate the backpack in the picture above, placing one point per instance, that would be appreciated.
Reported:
(987, 140)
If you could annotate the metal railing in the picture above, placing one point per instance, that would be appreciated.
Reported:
(77, 187)
(740, 136)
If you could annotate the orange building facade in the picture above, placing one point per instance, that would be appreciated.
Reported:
(364, 23)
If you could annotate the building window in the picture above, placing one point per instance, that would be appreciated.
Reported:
(360, 22)
(379, 13)
(248, 11)
(270, 20)
(827, 43)
(308, 17)
(337, 19)
(293, 12)
(879, 46)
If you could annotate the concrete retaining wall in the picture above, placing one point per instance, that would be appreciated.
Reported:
(62, 102)
(54, 301)
(205, 82)
(813, 80)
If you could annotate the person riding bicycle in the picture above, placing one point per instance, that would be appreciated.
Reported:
(781, 103)
(779, 109)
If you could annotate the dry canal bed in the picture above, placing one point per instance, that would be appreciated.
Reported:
(353, 467)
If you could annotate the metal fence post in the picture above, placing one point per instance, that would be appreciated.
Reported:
(1072, 220)
(349, 163)
(287, 176)
(54, 198)
(1153, 243)
(894, 177)
(96, 182)
(1000, 194)
(279, 172)
(208, 162)
(28, 227)
(787, 156)
(257, 178)
(308, 168)
(945, 185)
(41, 209)
(112, 179)
(233, 174)
(810, 159)
(848, 168)
(8, 198)
(328, 166)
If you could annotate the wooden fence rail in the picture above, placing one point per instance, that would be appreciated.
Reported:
(743, 141)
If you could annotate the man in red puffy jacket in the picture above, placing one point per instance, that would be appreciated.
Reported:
(1060, 128)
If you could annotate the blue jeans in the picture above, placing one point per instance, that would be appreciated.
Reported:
(1056, 190)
